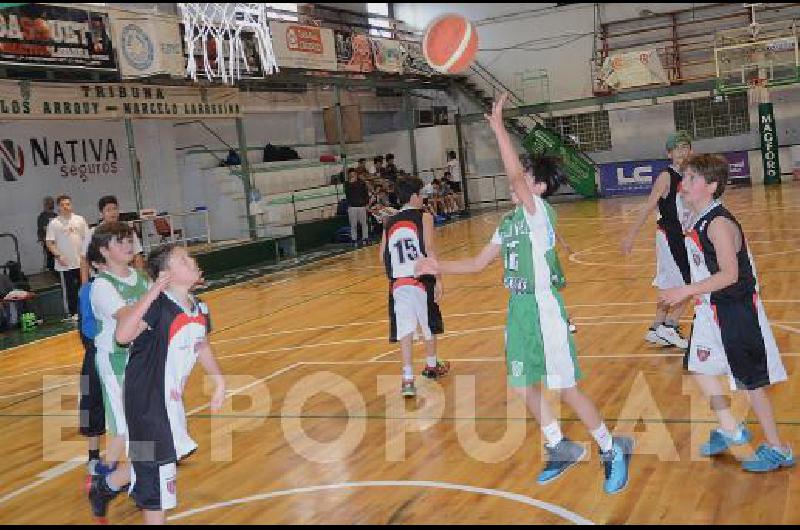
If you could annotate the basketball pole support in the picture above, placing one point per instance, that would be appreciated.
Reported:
(247, 176)
(410, 125)
(337, 94)
(134, 162)
(462, 161)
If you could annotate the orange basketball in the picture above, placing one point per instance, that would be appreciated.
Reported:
(450, 44)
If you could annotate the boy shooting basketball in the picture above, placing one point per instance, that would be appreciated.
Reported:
(539, 346)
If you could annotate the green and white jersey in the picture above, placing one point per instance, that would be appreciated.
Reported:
(539, 346)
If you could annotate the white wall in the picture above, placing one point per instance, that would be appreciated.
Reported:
(21, 198)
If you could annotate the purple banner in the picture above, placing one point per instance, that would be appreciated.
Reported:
(738, 167)
(629, 178)
(636, 177)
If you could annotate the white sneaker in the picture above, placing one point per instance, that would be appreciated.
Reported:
(653, 338)
(672, 336)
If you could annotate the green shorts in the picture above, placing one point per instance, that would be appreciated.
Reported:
(539, 346)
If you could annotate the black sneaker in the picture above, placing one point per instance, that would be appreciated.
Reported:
(99, 497)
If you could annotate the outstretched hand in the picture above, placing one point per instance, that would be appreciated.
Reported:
(496, 117)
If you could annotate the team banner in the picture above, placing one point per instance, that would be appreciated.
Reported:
(414, 60)
(20, 100)
(633, 69)
(580, 173)
(353, 52)
(637, 177)
(307, 47)
(51, 35)
(147, 46)
(389, 55)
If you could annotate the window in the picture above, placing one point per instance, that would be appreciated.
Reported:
(713, 118)
(588, 131)
(383, 10)
(280, 15)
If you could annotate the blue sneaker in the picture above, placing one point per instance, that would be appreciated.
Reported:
(616, 463)
(719, 441)
(767, 458)
(560, 458)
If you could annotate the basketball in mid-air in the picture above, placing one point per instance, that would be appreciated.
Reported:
(450, 44)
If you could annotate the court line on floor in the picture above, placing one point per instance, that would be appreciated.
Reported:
(507, 495)
(579, 320)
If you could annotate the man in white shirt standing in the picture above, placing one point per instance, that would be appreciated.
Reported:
(64, 238)
(454, 168)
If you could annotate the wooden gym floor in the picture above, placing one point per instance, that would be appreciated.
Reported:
(315, 431)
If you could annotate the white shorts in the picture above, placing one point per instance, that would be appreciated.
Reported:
(668, 273)
(411, 308)
(112, 375)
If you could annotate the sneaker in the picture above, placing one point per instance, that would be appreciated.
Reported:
(409, 390)
(441, 368)
(653, 338)
(99, 496)
(91, 466)
(560, 458)
(672, 335)
(572, 328)
(719, 441)
(767, 458)
(616, 462)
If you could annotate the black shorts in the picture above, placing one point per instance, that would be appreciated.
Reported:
(455, 186)
(730, 339)
(154, 485)
(92, 410)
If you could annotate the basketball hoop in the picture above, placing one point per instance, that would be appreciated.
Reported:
(757, 91)
(220, 26)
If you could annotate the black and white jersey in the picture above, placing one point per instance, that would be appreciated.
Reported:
(405, 243)
(730, 334)
(673, 215)
(160, 359)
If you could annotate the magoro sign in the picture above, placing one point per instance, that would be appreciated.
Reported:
(769, 143)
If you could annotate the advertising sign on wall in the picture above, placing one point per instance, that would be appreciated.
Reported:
(74, 37)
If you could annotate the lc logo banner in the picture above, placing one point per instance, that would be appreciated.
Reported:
(630, 178)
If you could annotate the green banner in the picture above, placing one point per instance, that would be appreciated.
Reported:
(580, 173)
(768, 133)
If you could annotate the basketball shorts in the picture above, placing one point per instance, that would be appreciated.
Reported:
(153, 485)
(734, 339)
(111, 369)
(672, 261)
(539, 346)
(411, 308)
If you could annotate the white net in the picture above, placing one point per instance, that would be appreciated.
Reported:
(217, 29)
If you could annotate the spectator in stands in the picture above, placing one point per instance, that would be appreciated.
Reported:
(361, 169)
(391, 195)
(454, 192)
(391, 169)
(436, 199)
(41, 229)
(64, 238)
(357, 193)
(380, 171)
